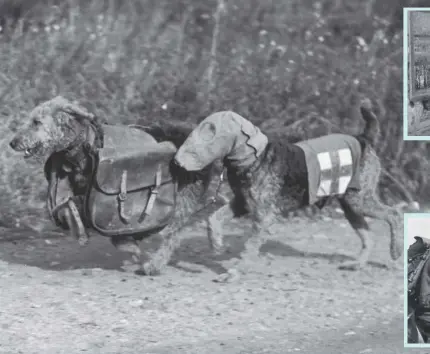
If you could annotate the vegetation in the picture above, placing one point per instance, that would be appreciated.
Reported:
(296, 67)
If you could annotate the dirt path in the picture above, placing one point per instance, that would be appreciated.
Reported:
(58, 298)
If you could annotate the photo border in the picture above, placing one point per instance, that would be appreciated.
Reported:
(406, 218)
(407, 137)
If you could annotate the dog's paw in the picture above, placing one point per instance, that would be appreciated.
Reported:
(352, 265)
(218, 250)
(396, 250)
(253, 257)
(396, 265)
(83, 240)
(130, 266)
(268, 257)
(148, 269)
(231, 276)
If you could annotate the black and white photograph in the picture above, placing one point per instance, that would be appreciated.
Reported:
(418, 66)
(207, 177)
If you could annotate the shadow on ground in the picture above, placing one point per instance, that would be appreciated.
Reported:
(60, 252)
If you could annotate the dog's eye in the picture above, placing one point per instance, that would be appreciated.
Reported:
(37, 122)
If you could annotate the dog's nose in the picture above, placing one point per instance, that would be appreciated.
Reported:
(13, 144)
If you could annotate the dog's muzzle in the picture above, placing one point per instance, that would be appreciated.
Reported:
(28, 152)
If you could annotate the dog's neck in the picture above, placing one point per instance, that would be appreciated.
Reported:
(244, 171)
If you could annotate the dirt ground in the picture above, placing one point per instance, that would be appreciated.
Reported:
(56, 297)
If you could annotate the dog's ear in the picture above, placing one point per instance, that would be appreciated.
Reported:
(77, 111)
(60, 103)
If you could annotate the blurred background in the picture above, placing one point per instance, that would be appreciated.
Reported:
(294, 67)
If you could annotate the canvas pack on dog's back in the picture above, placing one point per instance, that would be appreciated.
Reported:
(332, 162)
(132, 189)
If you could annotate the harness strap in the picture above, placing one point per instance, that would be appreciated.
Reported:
(221, 180)
(214, 198)
(68, 202)
(122, 196)
(152, 196)
(52, 195)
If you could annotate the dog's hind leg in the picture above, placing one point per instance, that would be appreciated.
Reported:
(373, 208)
(355, 217)
(357, 206)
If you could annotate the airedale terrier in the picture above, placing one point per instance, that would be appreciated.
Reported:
(272, 178)
(60, 127)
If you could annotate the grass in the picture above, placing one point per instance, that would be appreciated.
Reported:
(293, 67)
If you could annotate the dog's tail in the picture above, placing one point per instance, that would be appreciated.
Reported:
(372, 129)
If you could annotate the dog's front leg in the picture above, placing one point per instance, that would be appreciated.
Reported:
(251, 255)
(259, 233)
(76, 231)
(158, 261)
(171, 238)
(215, 224)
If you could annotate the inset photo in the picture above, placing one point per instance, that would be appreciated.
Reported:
(417, 280)
(416, 71)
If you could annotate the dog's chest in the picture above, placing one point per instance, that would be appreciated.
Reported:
(78, 177)
(256, 192)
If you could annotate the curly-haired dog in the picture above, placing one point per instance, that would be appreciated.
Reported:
(61, 129)
(271, 178)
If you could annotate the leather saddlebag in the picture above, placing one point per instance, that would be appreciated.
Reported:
(132, 189)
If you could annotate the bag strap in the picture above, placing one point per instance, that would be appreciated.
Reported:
(52, 194)
(122, 197)
(153, 195)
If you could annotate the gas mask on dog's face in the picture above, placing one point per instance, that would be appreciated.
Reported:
(208, 142)
(222, 135)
